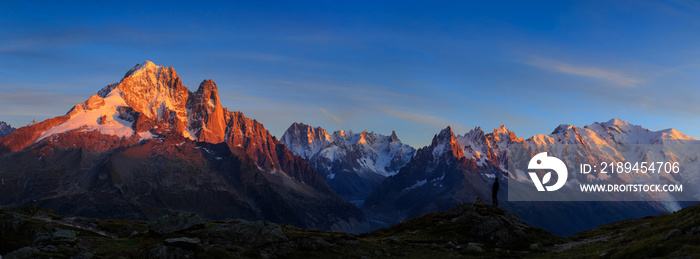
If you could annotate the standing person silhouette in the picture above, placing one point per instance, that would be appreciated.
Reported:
(494, 192)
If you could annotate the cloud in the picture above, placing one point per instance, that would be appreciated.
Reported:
(38, 99)
(354, 89)
(254, 56)
(585, 71)
(335, 118)
(421, 119)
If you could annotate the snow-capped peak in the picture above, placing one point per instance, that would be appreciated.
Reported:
(157, 93)
(474, 135)
(446, 142)
(140, 68)
(674, 134)
(363, 137)
(445, 133)
(32, 123)
(503, 133)
(616, 122)
(623, 126)
(394, 138)
(153, 92)
(562, 128)
(5, 129)
(304, 140)
(501, 130)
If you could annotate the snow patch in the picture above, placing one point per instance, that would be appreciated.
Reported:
(439, 150)
(331, 153)
(146, 135)
(140, 68)
(439, 178)
(91, 119)
(418, 184)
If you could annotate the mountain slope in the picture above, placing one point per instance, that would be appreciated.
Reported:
(437, 178)
(353, 164)
(147, 145)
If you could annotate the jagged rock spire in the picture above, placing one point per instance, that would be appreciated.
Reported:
(206, 118)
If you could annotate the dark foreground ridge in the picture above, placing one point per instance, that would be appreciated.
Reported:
(474, 229)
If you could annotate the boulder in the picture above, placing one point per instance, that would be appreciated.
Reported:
(175, 222)
(24, 252)
(474, 248)
(244, 233)
(183, 241)
(673, 233)
(167, 252)
(64, 236)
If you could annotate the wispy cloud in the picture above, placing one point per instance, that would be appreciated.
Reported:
(48, 99)
(335, 118)
(20, 108)
(29, 114)
(357, 91)
(255, 56)
(614, 77)
(421, 119)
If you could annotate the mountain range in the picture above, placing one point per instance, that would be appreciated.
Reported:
(146, 146)
(457, 168)
(353, 164)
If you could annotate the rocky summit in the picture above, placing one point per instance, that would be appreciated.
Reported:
(5, 129)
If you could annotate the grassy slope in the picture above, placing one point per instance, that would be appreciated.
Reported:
(640, 238)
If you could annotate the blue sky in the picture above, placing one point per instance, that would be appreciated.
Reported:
(412, 67)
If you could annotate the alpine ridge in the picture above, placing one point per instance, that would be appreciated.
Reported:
(353, 164)
(438, 177)
(146, 145)
(5, 129)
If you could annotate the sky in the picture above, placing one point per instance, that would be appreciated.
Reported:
(411, 67)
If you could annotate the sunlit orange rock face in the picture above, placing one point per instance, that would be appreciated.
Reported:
(25, 136)
(268, 152)
(206, 115)
(157, 93)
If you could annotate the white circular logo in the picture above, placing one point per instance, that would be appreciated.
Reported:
(542, 161)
